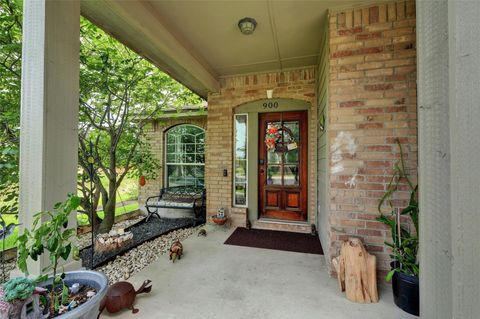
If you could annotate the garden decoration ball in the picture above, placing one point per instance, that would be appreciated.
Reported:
(121, 295)
(202, 232)
(176, 250)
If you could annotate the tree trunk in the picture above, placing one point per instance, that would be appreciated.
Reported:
(356, 272)
(109, 216)
(109, 206)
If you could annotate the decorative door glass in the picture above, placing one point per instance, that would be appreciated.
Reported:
(281, 141)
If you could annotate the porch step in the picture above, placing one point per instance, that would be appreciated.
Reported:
(281, 225)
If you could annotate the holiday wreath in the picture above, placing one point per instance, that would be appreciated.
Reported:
(274, 141)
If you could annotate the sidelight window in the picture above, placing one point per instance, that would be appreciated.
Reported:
(240, 180)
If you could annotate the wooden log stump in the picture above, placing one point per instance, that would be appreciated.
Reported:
(356, 272)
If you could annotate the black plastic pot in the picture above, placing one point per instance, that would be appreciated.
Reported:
(406, 292)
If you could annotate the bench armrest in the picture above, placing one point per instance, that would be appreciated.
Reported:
(198, 199)
(151, 198)
(158, 197)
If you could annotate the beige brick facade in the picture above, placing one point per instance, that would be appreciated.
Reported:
(293, 84)
(368, 68)
(372, 93)
(156, 137)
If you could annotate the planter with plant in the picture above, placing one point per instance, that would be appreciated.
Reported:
(404, 271)
(69, 295)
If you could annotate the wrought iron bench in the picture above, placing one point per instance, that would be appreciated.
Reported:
(179, 197)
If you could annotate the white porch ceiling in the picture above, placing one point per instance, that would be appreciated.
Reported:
(198, 42)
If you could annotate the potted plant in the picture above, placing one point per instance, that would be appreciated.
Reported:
(404, 266)
(74, 294)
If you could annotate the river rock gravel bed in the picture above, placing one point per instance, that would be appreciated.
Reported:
(9, 266)
(85, 240)
(142, 232)
(138, 258)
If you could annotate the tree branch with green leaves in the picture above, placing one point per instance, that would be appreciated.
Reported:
(120, 93)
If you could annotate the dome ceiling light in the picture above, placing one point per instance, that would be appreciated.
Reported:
(247, 25)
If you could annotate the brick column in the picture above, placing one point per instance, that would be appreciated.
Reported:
(372, 92)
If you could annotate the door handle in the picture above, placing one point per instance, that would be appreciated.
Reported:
(262, 171)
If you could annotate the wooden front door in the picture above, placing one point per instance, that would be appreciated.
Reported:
(282, 165)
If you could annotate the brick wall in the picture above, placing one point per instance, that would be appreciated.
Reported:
(372, 94)
(155, 138)
(294, 84)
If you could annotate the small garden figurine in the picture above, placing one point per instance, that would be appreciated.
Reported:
(176, 250)
(122, 295)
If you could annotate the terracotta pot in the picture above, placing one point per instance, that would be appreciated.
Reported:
(219, 221)
(142, 181)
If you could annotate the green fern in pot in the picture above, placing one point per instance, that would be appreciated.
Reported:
(404, 243)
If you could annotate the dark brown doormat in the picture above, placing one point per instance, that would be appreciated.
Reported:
(278, 240)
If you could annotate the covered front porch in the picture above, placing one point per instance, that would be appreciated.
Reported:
(353, 66)
(214, 280)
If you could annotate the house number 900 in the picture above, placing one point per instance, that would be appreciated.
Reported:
(270, 105)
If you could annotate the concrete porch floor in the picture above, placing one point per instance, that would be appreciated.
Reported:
(213, 280)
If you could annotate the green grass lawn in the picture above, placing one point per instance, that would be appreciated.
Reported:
(82, 219)
(11, 240)
(128, 191)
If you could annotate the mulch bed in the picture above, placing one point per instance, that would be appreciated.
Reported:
(142, 232)
(278, 240)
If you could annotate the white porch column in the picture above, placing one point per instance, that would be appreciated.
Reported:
(449, 157)
(464, 68)
(49, 108)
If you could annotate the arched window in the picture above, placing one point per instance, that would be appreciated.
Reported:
(185, 156)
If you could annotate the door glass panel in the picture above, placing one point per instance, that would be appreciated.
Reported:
(274, 175)
(272, 125)
(291, 132)
(291, 157)
(290, 176)
(274, 158)
(273, 136)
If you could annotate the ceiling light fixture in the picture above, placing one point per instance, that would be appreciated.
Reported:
(247, 25)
